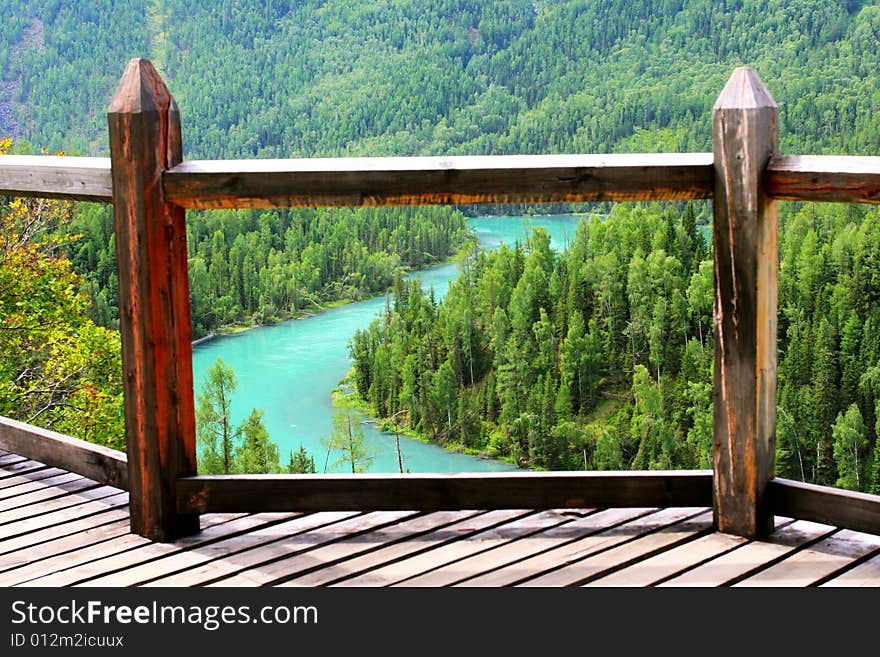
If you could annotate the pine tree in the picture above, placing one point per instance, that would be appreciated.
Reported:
(300, 462)
(257, 453)
(850, 447)
(215, 432)
(348, 440)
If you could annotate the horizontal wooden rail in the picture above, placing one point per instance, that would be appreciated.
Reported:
(101, 464)
(831, 506)
(53, 176)
(436, 492)
(438, 180)
(824, 178)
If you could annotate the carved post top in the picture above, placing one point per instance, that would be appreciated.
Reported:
(141, 89)
(744, 90)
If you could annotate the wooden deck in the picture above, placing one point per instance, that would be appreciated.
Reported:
(61, 529)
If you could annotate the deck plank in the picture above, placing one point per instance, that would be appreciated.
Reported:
(189, 568)
(624, 543)
(131, 550)
(563, 547)
(463, 523)
(22, 565)
(516, 532)
(61, 529)
(83, 509)
(55, 490)
(286, 554)
(21, 468)
(94, 492)
(45, 565)
(317, 560)
(866, 573)
(508, 524)
(817, 561)
(10, 480)
(751, 556)
(71, 526)
(17, 485)
(11, 459)
(649, 571)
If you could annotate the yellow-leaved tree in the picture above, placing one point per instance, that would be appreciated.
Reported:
(58, 369)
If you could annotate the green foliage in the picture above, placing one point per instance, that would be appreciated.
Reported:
(215, 432)
(300, 462)
(257, 453)
(618, 315)
(347, 441)
(850, 447)
(57, 368)
(223, 447)
(332, 78)
(249, 267)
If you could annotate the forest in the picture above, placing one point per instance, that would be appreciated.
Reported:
(595, 357)
(248, 268)
(600, 357)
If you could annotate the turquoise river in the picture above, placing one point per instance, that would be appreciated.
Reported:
(289, 369)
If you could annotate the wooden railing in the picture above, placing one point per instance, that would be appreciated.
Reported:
(150, 186)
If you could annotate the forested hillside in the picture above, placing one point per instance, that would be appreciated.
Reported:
(332, 77)
(249, 267)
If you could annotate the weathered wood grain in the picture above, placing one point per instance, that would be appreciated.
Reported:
(13, 516)
(130, 550)
(816, 562)
(34, 476)
(20, 469)
(746, 257)
(753, 556)
(58, 514)
(101, 464)
(181, 562)
(438, 180)
(227, 557)
(671, 562)
(77, 520)
(832, 506)
(439, 492)
(603, 551)
(864, 574)
(823, 178)
(439, 546)
(19, 566)
(144, 126)
(28, 486)
(53, 176)
(448, 565)
(302, 544)
(58, 488)
(388, 544)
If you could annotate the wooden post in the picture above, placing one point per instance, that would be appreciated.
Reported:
(153, 302)
(746, 246)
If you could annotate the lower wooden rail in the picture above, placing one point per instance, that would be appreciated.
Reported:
(831, 506)
(101, 464)
(443, 492)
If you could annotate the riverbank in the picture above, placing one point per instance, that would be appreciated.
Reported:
(314, 308)
(347, 393)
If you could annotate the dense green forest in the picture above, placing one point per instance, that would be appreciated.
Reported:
(596, 357)
(332, 77)
(250, 267)
(601, 356)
